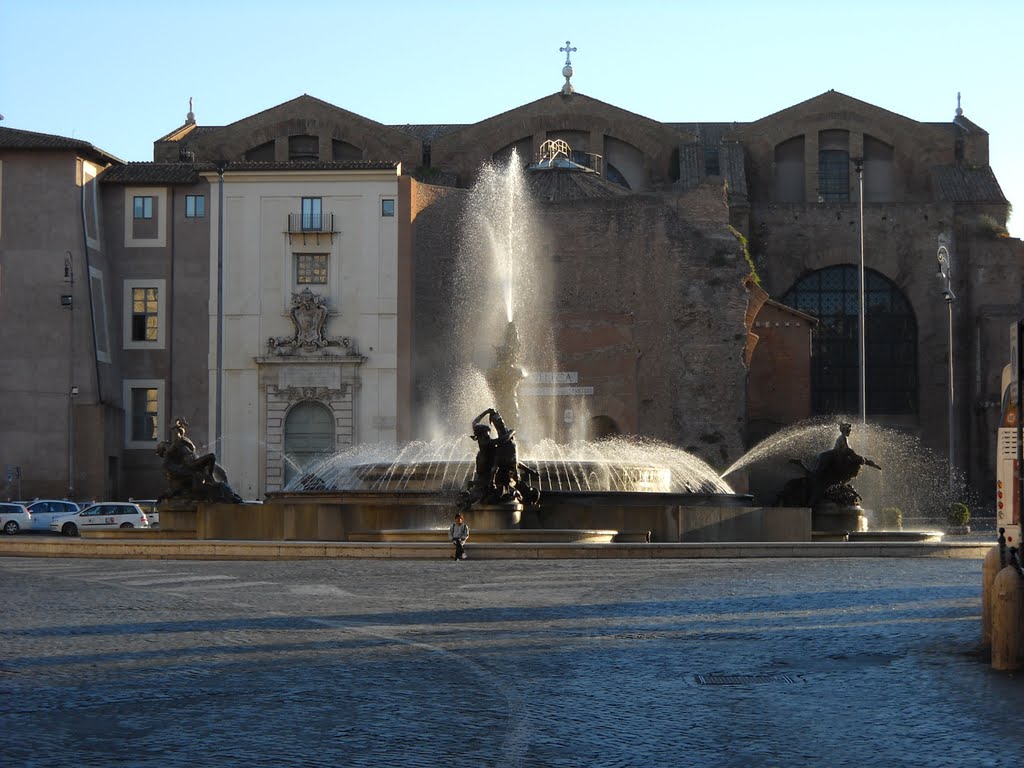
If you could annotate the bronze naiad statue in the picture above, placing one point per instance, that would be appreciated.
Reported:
(828, 478)
(190, 475)
(498, 477)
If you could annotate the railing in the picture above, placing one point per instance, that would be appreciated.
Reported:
(552, 149)
(311, 222)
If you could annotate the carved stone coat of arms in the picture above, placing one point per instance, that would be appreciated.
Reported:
(309, 314)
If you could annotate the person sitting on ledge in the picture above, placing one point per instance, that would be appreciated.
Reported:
(458, 533)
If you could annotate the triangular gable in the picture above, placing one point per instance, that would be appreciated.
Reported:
(301, 115)
(577, 105)
(834, 103)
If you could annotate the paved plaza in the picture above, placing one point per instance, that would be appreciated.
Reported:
(768, 662)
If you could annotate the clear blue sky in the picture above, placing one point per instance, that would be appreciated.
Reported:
(119, 74)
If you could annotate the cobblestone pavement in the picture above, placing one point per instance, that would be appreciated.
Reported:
(859, 662)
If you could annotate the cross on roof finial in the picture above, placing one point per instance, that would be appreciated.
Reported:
(567, 50)
(958, 110)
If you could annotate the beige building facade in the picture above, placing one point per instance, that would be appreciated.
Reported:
(308, 317)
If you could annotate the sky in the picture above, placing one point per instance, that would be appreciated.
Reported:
(120, 74)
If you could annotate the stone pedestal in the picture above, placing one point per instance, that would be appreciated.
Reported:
(495, 516)
(179, 516)
(833, 518)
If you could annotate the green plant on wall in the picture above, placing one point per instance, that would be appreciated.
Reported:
(987, 225)
(958, 514)
(746, 254)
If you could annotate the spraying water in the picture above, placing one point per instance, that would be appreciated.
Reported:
(503, 296)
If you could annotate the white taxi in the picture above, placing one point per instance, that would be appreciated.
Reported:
(14, 517)
(102, 515)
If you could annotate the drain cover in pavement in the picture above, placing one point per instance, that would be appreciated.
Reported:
(742, 679)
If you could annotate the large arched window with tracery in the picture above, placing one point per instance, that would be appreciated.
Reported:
(890, 341)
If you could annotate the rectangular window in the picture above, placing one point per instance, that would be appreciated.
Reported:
(143, 207)
(143, 319)
(834, 176)
(311, 268)
(195, 206)
(145, 412)
(143, 401)
(99, 317)
(311, 211)
(387, 207)
(145, 314)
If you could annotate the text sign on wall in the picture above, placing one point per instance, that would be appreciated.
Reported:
(328, 377)
(553, 377)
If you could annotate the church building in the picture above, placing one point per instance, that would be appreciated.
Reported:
(285, 283)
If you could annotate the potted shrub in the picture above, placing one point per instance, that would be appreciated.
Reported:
(958, 517)
(891, 519)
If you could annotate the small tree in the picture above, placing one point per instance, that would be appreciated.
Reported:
(959, 514)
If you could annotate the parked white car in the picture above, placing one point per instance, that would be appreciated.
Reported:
(14, 517)
(104, 515)
(149, 506)
(43, 511)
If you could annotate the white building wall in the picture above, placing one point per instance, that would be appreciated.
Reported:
(259, 384)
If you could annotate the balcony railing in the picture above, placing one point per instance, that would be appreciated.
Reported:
(310, 222)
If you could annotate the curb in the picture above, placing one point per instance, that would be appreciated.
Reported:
(185, 549)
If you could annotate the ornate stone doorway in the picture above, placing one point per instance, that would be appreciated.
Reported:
(308, 436)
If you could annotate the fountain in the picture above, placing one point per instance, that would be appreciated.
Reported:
(610, 489)
(912, 483)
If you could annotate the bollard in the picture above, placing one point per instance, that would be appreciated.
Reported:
(990, 568)
(1008, 618)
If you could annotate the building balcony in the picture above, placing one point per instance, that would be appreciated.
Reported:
(311, 225)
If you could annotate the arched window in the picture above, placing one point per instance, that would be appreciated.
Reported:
(304, 147)
(264, 153)
(789, 171)
(890, 341)
(308, 436)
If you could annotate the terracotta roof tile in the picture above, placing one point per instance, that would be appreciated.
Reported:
(151, 173)
(959, 184)
(15, 138)
(188, 173)
(554, 184)
(308, 165)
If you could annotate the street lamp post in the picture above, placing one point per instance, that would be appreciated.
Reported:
(945, 273)
(858, 164)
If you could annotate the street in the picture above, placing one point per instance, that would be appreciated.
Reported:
(768, 662)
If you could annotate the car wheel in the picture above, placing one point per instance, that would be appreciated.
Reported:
(127, 525)
(11, 527)
(69, 529)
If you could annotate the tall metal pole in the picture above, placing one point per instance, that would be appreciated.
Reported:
(220, 312)
(862, 351)
(945, 272)
(69, 275)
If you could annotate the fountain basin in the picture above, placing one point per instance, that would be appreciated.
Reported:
(336, 516)
(552, 475)
(513, 535)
